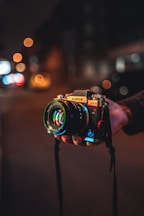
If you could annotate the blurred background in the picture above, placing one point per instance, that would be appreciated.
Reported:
(53, 47)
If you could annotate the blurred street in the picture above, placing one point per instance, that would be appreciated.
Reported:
(28, 177)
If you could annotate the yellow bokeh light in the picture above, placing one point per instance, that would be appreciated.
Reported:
(106, 84)
(20, 67)
(28, 42)
(39, 78)
(17, 57)
(40, 81)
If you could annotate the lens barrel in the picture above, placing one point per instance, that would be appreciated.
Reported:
(65, 117)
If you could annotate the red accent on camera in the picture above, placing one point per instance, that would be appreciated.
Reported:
(100, 125)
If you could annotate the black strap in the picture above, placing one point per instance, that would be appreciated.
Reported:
(112, 161)
(115, 199)
(58, 174)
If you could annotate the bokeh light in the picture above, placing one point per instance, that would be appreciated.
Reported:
(33, 59)
(17, 57)
(135, 57)
(19, 79)
(96, 89)
(20, 67)
(39, 78)
(28, 42)
(13, 79)
(106, 84)
(8, 79)
(5, 67)
(123, 90)
(34, 67)
(120, 65)
(40, 81)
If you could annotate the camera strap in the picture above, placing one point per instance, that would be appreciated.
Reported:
(109, 145)
(58, 175)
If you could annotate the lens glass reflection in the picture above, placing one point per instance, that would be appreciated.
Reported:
(58, 117)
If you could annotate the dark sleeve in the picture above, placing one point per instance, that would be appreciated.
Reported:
(136, 106)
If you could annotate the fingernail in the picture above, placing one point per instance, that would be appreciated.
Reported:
(76, 140)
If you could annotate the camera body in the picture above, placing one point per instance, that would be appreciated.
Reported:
(81, 112)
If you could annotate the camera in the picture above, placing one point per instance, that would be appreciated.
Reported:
(82, 112)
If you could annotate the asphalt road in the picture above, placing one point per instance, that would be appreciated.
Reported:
(28, 179)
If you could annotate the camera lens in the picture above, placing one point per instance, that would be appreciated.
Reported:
(65, 117)
(57, 118)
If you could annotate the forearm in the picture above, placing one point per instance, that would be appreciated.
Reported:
(134, 108)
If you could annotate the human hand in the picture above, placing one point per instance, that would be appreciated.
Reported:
(118, 116)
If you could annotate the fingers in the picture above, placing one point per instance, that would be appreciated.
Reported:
(64, 138)
(75, 140)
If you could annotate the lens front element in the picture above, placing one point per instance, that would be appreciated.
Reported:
(58, 118)
(65, 117)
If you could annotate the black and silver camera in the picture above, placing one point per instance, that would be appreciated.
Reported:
(81, 112)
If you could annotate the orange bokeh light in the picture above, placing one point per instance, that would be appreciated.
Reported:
(20, 67)
(106, 84)
(17, 57)
(28, 42)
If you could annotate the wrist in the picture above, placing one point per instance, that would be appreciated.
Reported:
(128, 114)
